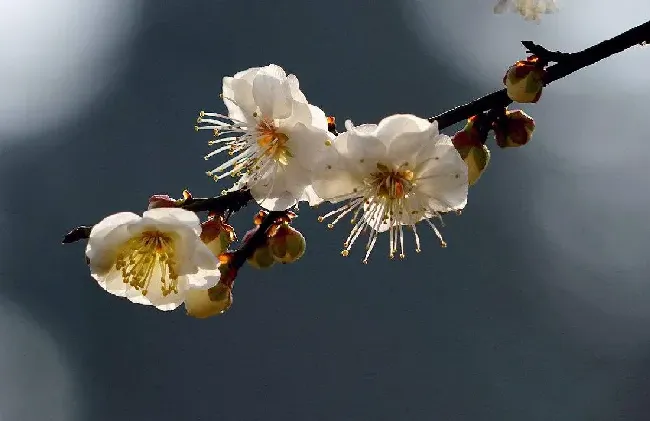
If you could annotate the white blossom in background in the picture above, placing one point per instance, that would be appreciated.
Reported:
(391, 176)
(272, 136)
(154, 259)
(529, 9)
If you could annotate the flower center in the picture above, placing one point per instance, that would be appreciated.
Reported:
(272, 142)
(141, 256)
(391, 184)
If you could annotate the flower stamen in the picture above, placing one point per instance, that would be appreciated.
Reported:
(384, 200)
(254, 150)
(142, 255)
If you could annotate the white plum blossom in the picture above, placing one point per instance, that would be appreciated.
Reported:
(391, 176)
(530, 9)
(272, 136)
(153, 259)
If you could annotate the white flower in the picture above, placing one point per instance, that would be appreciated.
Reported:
(392, 175)
(154, 259)
(529, 9)
(272, 135)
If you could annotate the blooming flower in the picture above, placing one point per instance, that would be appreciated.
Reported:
(272, 135)
(392, 175)
(529, 9)
(154, 259)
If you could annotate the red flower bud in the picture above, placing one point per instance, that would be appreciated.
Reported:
(217, 235)
(516, 129)
(161, 201)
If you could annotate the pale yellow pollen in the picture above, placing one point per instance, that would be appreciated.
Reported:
(139, 257)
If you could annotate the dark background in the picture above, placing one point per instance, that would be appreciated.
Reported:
(537, 310)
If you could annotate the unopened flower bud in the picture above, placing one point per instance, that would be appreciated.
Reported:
(524, 80)
(217, 235)
(515, 129)
(161, 201)
(469, 136)
(477, 160)
(261, 258)
(208, 302)
(259, 217)
(228, 272)
(331, 124)
(287, 244)
(470, 146)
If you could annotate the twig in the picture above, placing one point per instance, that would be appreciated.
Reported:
(567, 63)
(80, 233)
(577, 61)
(228, 203)
(546, 55)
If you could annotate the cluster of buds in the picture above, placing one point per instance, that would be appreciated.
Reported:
(283, 243)
(524, 80)
(512, 128)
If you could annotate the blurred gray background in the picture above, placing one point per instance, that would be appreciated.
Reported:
(537, 310)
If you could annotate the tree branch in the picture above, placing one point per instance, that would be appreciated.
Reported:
(225, 204)
(230, 202)
(566, 64)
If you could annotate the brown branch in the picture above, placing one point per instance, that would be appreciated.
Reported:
(544, 54)
(566, 64)
(228, 203)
